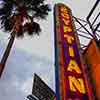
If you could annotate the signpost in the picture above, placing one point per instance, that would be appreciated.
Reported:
(71, 79)
(41, 90)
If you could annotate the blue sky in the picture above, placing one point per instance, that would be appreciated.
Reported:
(26, 59)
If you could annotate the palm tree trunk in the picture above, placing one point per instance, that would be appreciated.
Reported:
(6, 54)
(9, 46)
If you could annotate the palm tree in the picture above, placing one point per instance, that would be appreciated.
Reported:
(18, 17)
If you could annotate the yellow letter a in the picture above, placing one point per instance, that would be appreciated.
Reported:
(73, 66)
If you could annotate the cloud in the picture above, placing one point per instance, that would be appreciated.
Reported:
(17, 78)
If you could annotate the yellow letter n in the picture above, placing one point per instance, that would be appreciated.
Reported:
(76, 84)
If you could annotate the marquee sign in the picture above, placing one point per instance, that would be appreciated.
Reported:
(41, 90)
(71, 80)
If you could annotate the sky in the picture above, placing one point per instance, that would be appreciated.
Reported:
(34, 55)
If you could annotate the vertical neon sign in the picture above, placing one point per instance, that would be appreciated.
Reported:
(71, 81)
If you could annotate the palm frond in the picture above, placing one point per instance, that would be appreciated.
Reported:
(37, 2)
(33, 28)
(42, 11)
(27, 2)
(8, 26)
(36, 28)
(20, 32)
(13, 8)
